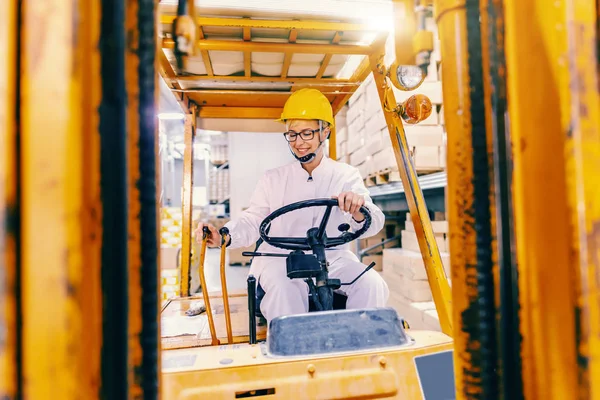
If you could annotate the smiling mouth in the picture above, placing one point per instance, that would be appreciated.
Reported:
(303, 151)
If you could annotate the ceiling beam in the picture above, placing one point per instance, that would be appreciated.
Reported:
(336, 39)
(258, 23)
(268, 47)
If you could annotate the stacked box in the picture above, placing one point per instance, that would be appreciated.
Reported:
(440, 232)
(169, 273)
(390, 230)
(426, 144)
(405, 273)
(367, 141)
(218, 185)
(218, 154)
(171, 222)
(169, 283)
(410, 293)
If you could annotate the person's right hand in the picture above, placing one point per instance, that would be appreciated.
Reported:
(213, 239)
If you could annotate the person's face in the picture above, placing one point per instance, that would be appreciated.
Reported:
(305, 142)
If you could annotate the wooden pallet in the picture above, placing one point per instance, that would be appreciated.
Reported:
(387, 176)
(371, 180)
(428, 171)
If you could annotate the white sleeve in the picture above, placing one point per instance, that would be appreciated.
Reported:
(356, 185)
(244, 230)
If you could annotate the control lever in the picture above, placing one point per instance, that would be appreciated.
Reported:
(255, 254)
(361, 274)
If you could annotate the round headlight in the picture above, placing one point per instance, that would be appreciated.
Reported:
(409, 76)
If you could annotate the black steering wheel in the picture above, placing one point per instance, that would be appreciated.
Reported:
(297, 243)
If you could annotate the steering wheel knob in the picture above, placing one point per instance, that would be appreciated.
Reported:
(344, 227)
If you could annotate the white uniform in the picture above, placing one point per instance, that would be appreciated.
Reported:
(291, 183)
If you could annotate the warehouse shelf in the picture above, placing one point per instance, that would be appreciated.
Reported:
(391, 196)
(430, 181)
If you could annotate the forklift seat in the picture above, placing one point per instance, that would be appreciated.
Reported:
(339, 300)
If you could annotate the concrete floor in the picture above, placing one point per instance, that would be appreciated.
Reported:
(236, 275)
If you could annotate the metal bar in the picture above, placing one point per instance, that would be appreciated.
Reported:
(10, 357)
(336, 39)
(251, 282)
(113, 167)
(92, 290)
(364, 252)
(468, 199)
(293, 35)
(509, 366)
(583, 164)
(205, 294)
(248, 92)
(63, 300)
(207, 62)
(438, 281)
(134, 246)
(287, 59)
(239, 112)
(363, 70)
(275, 80)
(227, 311)
(479, 318)
(144, 361)
(247, 34)
(189, 134)
(268, 47)
(360, 74)
(405, 29)
(333, 143)
(275, 24)
(247, 64)
(168, 73)
(539, 91)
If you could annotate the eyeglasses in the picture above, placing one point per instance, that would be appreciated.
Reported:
(306, 134)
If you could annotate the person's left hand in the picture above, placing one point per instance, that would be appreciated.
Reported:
(351, 202)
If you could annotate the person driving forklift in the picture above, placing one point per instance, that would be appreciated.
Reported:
(308, 118)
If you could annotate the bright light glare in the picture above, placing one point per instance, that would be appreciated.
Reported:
(171, 116)
(212, 133)
(380, 23)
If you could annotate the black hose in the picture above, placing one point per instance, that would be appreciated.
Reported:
(149, 373)
(113, 186)
(252, 309)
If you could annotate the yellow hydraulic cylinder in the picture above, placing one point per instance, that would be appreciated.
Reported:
(9, 372)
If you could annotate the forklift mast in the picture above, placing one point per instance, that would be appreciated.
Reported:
(79, 251)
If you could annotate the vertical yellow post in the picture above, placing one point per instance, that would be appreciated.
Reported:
(186, 201)
(9, 360)
(143, 365)
(405, 28)
(583, 184)
(470, 198)
(62, 301)
(333, 143)
(440, 288)
(539, 108)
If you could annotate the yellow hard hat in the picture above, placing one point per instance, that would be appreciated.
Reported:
(307, 104)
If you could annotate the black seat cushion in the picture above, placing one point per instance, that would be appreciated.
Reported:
(339, 300)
